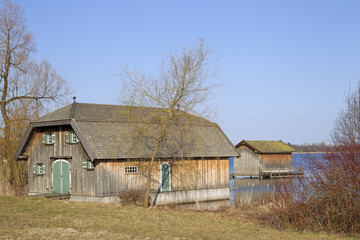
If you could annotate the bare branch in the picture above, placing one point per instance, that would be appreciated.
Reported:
(26, 87)
(183, 83)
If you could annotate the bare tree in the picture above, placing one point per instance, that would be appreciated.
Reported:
(328, 198)
(347, 125)
(182, 84)
(26, 87)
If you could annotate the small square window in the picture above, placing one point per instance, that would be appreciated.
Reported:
(87, 165)
(74, 138)
(39, 168)
(71, 137)
(48, 138)
(131, 169)
(90, 165)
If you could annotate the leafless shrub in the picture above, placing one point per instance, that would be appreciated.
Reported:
(132, 197)
(5, 188)
(327, 199)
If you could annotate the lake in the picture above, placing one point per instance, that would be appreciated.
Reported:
(298, 160)
(246, 189)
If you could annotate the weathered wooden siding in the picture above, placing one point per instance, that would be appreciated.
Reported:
(200, 174)
(250, 163)
(185, 175)
(276, 161)
(82, 180)
(247, 164)
(111, 178)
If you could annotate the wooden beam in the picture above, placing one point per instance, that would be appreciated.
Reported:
(60, 157)
(23, 158)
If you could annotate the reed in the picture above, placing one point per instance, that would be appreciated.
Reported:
(327, 198)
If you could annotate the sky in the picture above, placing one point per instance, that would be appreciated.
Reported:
(284, 66)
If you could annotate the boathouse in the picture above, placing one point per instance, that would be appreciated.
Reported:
(263, 158)
(93, 152)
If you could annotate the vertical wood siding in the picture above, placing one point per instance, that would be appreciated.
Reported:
(247, 164)
(82, 180)
(277, 161)
(185, 175)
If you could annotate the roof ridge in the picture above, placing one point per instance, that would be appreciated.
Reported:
(208, 124)
(41, 119)
(90, 112)
(72, 110)
(267, 146)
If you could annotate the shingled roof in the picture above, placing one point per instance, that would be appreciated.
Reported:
(112, 132)
(267, 146)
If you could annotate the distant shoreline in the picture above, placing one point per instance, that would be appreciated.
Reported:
(307, 152)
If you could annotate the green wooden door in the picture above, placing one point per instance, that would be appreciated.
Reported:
(61, 176)
(57, 176)
(165, 177)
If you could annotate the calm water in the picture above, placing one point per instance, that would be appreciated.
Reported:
(299, 159)
(246, 189)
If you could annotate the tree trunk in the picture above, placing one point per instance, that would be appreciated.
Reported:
(148, 182)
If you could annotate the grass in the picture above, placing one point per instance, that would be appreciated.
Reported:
(39, 218)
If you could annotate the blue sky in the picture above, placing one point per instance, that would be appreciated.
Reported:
(285, 66)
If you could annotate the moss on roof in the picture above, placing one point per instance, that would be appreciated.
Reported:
(267, 146)
(115, 131)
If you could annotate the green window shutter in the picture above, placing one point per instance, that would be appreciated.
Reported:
(84, 164)
(53, 138)
(34, 168)
(44, 138)
(43, 168)
(90, 165)
(67, 137)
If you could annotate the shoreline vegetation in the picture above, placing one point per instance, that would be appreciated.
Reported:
(27, 217)
(308, 152)
(312, 148)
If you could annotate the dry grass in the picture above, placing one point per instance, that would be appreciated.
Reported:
(38, 218)
(5, 187)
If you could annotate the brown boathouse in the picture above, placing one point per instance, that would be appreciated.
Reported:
(263, 159)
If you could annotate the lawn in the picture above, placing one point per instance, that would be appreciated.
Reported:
(39, 218)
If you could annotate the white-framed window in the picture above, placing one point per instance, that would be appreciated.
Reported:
(48, 138)
(87, 165)
(39, 168)
(71, 137)
(130, 169)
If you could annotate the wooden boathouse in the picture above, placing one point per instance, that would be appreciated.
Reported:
(91, 152)
(265, 159)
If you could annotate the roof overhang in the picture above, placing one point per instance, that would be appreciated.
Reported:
(237, 154)
(244, 143)
(32, 126)
(82, 139)
(275, 152)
